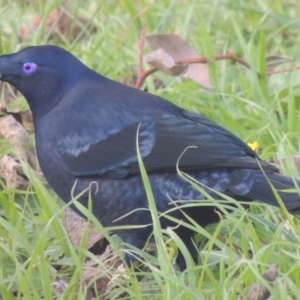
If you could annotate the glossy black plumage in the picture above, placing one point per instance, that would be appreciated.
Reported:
(86, 127)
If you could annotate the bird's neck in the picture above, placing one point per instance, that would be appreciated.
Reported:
(48, 103)
(49, 93)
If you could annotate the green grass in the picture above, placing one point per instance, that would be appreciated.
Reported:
(34, 247)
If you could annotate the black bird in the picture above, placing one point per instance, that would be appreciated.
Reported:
(86, 128)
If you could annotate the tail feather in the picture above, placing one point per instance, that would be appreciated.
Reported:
(255, 184)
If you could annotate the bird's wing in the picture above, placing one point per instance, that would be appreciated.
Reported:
(193, 142)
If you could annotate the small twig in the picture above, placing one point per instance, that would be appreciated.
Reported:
(143, 75)
(196, 60)
(260, 291)
(283, 70)
(141, 53)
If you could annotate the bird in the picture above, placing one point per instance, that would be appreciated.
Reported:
(89, 130)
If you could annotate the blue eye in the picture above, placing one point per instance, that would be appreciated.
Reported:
(29, 67)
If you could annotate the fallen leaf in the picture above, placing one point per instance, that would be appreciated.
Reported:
(12, 173)
(23, 117)
(12, 105)
(10, 94)
(14, 132)
(77, 227)
(178, 49)
(199, 73)
(260, 292)
(97, 274)
(60, 286)
(173, 44)
(60, 22)
(27, 120)
(164, 62)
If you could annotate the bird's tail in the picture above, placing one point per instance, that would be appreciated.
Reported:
(254, 184)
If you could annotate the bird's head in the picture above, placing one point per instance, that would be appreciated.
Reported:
(43, 74)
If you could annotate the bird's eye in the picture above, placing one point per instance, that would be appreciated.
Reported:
(29, 67)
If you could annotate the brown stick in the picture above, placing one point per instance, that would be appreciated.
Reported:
(283, 70)
(143, 75)
(141, 53)
(196, 60)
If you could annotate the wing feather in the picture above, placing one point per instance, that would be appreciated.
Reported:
(198, 142)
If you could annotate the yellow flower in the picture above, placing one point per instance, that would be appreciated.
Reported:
(254, 146)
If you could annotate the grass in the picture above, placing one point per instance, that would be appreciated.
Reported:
(34, 247)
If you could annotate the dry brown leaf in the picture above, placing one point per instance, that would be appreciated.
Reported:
(200, 74)
(173, 44)
(178, 49)
(97, 277)
(26, 31)
(23, 117)
(27, 120)
(164, 62)
(59, 286)
(15, 133)
(12, 173)
(260, 292)
(273, 61)
(10, 94)
(60, 21)
(76, 227)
